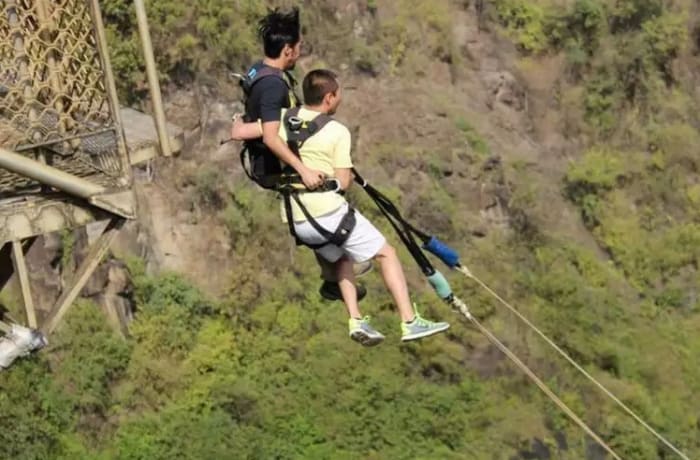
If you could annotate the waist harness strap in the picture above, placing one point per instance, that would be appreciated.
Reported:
(338, 237)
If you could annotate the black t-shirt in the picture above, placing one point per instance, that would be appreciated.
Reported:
(267, 98)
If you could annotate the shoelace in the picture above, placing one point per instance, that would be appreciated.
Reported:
(363, 320)
(419, 320)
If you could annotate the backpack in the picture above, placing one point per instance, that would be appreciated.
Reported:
(259, 163)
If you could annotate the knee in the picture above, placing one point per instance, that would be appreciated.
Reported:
(386, 252)
(342, 263)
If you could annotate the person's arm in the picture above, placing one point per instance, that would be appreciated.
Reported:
(241, 131)
(273, 97)
(311, 177)
(342, 163)
(344, 176)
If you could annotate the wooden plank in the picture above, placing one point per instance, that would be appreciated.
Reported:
(21, 269)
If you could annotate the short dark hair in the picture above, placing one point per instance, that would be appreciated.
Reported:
(277, 29)
(317, 84)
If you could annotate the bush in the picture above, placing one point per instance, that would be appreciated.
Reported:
(254, 213)
(473, 138)
(602, 101)
(210, 35)
(664, 37)
(581, 27)
(208, 190)
(414, 34)
(95, 357)
(35, 412)
(626, 15)
(598, 171)
(676, 144)
(527, 22)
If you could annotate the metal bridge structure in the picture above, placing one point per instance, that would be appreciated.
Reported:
(66, 146)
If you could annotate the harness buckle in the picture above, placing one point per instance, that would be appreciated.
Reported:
(295, 123)
(333, 185)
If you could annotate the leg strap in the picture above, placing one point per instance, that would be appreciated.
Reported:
(337, 238)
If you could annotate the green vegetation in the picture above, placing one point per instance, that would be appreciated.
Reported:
(621, 52)
(216, 35)
(527, 23)
(267, 371)
(475, 141)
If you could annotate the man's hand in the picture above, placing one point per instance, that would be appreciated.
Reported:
(236, 123)
(241, 131)
(312, 178)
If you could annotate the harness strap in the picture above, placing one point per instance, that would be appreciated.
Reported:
(405, 230)
(299, 131)
(337, 237)
(285, 76)
(290, 219)
(341, 233)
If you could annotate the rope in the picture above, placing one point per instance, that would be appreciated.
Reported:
(577, 366)
(462, 307)
(404, 230)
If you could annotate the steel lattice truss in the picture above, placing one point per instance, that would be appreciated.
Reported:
(54, 100)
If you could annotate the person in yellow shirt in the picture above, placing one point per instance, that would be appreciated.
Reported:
(328, 150)
(269, 87)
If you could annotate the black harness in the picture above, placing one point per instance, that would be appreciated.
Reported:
(298, 132)
(259, 163)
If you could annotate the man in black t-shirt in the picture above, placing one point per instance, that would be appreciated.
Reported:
(281, 36)
(272, 90)
(269, 95)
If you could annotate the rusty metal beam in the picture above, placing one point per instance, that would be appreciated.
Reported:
(25, 166)
(86, 269)
(21, 269)
(110, 82)
(152, 74)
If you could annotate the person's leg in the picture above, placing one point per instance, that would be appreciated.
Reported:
(359, 328)
(329, 271)
(346, 281)
(329, 289)
(395, 281)
(413, 326)
(366, 242)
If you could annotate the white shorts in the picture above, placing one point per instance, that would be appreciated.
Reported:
(364, 242)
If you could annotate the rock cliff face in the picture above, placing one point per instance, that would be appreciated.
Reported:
(475, 144)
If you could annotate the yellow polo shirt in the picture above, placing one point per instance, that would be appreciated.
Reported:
(326, 150)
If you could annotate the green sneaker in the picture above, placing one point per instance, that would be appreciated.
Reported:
(361, 331)
(421, 327)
